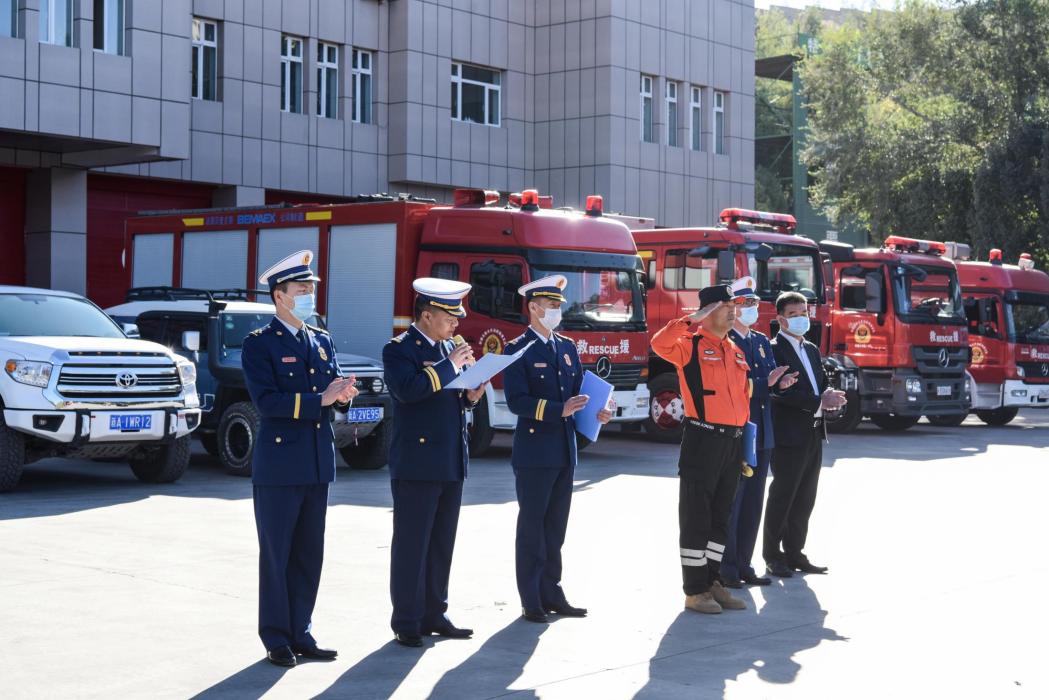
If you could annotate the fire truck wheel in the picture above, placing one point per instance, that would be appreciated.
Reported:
(894, 423)
(236, 437)
(947, 421)
(666, 410)
(12, 456)
(372, 452)
(999, 416)
(848, 419)
(162, 465)
(210, 443)
(480, 430)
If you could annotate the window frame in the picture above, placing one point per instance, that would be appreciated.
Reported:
(672, 115)
(12, 17)
(47, 22)
(457, 81)
(288, 61)
(201, 45)
(325, 66)
(695, 118)
(512, 310)
(719, 122)
(100, 11)
(361, 110)
(646, 94)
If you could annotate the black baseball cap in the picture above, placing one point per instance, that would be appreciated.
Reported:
(713, 294)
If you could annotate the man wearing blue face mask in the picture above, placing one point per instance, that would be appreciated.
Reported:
(745, 518)
(294, 382)
(797, 419)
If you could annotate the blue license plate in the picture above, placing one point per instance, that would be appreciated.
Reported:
(364, 415)
(131, 423)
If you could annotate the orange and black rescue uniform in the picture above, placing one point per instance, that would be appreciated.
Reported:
(715, 386)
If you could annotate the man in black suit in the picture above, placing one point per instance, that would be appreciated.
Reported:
(797, 419)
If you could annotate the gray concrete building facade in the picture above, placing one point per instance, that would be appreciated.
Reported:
(244, 102)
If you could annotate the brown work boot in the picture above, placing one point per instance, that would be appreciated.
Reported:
(725, 599)
(702, 602)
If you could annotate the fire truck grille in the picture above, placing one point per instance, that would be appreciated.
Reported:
(942, 362)
(107, 381)
(622, 377)
(1035, 371)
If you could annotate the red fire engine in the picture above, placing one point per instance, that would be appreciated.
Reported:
(369, 251)
(1007, 307)
(897, 319)
(680, 262)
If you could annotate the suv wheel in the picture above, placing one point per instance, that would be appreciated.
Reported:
(162, 465)
(12, 456)
(371, 452)
(238, 430)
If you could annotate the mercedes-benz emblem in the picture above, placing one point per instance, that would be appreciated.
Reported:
(944, 357)
(126, 380)
(604, 367)
(1045, 369)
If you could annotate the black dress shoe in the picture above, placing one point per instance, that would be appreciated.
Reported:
(755, 580)
(807, 567)
(408, 640)
(732, 583)
(449, 630)
(779, 568)
(565, 610)
(535, 616)
(281, 656)
(316, 653)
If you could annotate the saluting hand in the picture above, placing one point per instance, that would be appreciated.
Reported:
(462, 355)
(574, 405)
(700, 314)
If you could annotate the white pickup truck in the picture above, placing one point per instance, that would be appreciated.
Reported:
(75, 386)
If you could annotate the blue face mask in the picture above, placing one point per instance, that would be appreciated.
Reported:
(799, 325)
(304, 307)
(748, 316)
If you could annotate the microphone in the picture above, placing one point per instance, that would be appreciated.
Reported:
(459, 340)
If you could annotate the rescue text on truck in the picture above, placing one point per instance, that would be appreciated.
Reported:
(897, 319)
(1007, 307)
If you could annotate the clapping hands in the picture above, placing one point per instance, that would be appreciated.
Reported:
(781, 377)
(832, 399)
(341, 390)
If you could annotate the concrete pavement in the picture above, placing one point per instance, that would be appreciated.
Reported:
(111, 588)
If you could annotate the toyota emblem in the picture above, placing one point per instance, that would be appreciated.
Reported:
(1045, 369)
(944, 357)
(604, 367)
(126, 380)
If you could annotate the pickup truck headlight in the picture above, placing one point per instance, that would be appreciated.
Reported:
(31, 373)
(187, 372)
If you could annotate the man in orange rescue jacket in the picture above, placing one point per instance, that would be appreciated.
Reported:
(714, 378)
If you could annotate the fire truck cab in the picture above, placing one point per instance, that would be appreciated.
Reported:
(897, 319)
(1007, 308)
(680, 262)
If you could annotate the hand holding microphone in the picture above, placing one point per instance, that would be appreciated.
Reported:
(463, 354)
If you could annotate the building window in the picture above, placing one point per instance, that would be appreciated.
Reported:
(8, 17)
(671, 97)
(327, 80)
(646, 109)
(56, 22)
(719, 123)
(695, 124)
(109, 26)
(362, 86)
(475, 94)
(291, 74)
(205, 41)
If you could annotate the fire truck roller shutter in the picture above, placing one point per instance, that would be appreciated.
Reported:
(152, 262)
(360, 287)
(275, 244)
(215, 259)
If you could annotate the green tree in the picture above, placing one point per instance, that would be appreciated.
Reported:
(930, 121)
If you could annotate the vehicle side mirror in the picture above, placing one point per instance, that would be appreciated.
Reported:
(873, 293)
(130, 330)
(726, 265)
(763, 253)
(191, 341)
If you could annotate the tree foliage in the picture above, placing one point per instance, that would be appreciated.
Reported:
(932, 121)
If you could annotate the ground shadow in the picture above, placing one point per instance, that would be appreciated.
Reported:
(491, 670)
(251, 682)
(377, 675)
(700, 654)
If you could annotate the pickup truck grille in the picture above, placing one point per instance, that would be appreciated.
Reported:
(151, 380)
(940, 361)
(622, 377)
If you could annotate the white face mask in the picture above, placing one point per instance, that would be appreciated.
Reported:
(551, 319)
(748, 316)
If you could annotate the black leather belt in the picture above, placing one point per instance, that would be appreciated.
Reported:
(731, 431)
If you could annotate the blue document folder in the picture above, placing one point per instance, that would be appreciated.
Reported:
(599, 391)
(750, 444)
